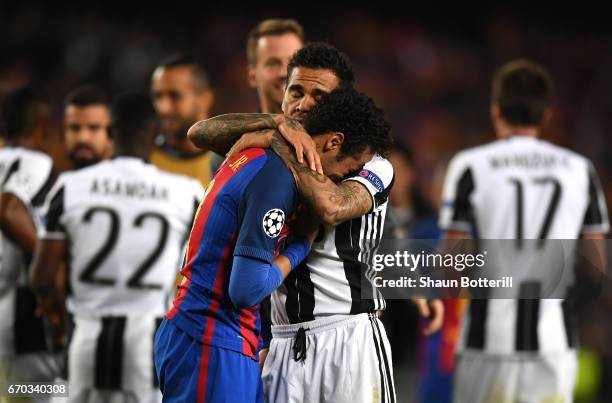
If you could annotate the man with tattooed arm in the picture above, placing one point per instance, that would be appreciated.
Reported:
(320, 301)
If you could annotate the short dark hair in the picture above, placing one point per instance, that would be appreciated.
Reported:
(199, 73)
(523, 90)
(269, 27)
(20, 111)
(132, 115)
(356, 116)
(321, 55)
(86, 95)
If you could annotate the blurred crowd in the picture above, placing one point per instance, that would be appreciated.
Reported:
(432, 77)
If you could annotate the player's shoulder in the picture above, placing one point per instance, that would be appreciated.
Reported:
(379, 163)
(274, 168)
(7, 153)
(32, 159)
(563, 152)
(76, 179)
(86, 172)
(378, 171)
(271, 175)
(464, 159)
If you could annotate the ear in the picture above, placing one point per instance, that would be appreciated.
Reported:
(251, 76)
(334, 141)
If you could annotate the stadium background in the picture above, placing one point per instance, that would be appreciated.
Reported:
(430, 73)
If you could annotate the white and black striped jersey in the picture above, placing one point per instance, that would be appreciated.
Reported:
(28, 175)
(328, 282)
(522, 188)
(126, 223)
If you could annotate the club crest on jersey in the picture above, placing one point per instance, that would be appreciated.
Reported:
(373, 179)
(273, 222)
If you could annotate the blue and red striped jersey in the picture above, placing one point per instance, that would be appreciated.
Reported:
(242, 213)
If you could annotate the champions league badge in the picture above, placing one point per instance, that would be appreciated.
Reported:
(273, 222)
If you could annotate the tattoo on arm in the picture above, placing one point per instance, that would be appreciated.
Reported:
(354, 201)
(293, 124)
(221, 132)
(333, 203)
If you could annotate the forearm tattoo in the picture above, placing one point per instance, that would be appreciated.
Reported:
(221, 132)
(334, 203)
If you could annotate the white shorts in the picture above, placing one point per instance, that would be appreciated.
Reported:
(111, 360)
(348, 359)
(524, 378)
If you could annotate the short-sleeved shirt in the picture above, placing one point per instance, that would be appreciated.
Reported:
(126, 223)
(521, 188)
(28, 175)
(328, 282)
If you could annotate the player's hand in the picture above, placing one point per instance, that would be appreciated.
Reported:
(433, 311)
(263, 353)
(304, 145)
(52, 308)
(258, 139)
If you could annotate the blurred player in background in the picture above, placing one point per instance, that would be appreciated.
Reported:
(269, 47)
(181, 94)
(520, 187)
(121, 225)
(25, 178)
(87, 127)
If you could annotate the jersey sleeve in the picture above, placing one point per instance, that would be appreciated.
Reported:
(596, 214)
(53, 213)
(263, 210)
(377, 177)
(32, 181)
(456, 213)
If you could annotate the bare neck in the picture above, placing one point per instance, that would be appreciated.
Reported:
(182, 143)
(267, 106)
(504, 131)
(27, 142)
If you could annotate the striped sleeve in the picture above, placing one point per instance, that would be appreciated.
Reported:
(53, 212)
(596, 214)
(32, 180)
(377, 177)
(456, 212)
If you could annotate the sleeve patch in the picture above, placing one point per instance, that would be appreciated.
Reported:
(273, 222)
(373, 179)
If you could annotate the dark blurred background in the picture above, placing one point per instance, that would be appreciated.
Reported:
(429, 68)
